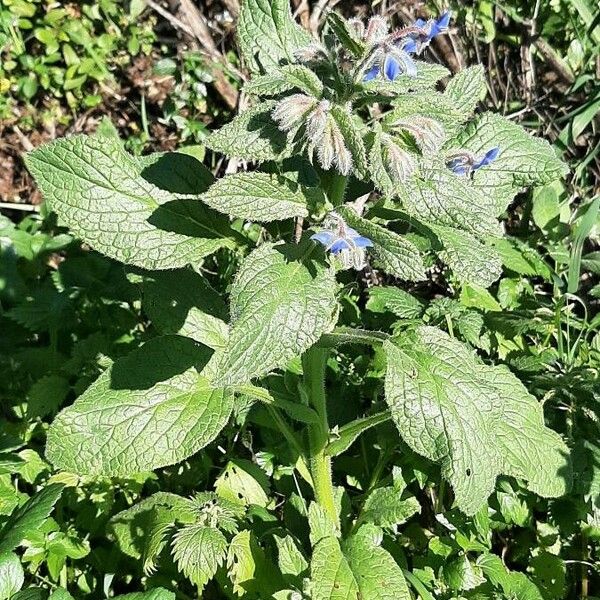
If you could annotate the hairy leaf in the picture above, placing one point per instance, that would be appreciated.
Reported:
(331, 576)
(257, 197)
(267, 34)
(471, 261)
(199, 551)
(466, 89)
(149, 409)
(279, 308)
(448, 407)
(377, 574)
(523, 160)
(96, 189)
(251, 135)
(11, 575)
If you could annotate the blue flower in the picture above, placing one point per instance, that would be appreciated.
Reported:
(422, 32)
(390, 55)
(391, 60)
(336, 241)
(466, 163)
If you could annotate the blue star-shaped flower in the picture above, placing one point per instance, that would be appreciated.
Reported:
(340, 239)
(465, 163)
(391, 61)
(425, 31)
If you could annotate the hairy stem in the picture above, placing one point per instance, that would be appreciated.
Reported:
(314, 363)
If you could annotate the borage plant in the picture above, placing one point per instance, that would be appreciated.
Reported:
(362, 170)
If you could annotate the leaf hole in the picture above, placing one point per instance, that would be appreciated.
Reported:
(468, 472)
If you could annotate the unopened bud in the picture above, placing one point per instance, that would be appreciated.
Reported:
(427, 133)
(377, 29)
(398, 163)
(291, 111)
(314, 51)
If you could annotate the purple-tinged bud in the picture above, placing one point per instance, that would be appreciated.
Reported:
(317, 120)
(342, 156)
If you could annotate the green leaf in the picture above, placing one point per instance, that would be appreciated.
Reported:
(462, 574)
(377, 574)
(331, 576)
(449, 200)
(394, 253)
(349, 433)
(448, 407)
(251, 135)
(279, 308)
(29, 517)
(155, 594)
(199, 551)
(96, 189)
(385, 507)
(523, 160)
(291, 561)
(46, 395)
(182, 302)
(268, 35)
(466, 89)
(396, 300)
(12, 576)
(243, 482)
(345, 33)
(257, 197)
(149, 409)
(471, 261)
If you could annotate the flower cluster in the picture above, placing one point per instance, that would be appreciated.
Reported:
(343, 241)
(321, 130)
(390, 54)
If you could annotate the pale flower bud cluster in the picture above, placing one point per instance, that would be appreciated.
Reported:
(321, 131)
(427, 132)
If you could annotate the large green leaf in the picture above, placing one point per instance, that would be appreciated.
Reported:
(97, 190)
(443, 198)
(268, 35)
(476, 421)
(28, 518)
(523, 160)
(150, 409)
(279, 308)
(257, 197)
(471, 260)
(394, 253)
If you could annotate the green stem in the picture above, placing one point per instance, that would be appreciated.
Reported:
(314, 362)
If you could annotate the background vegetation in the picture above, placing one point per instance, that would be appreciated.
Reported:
(166, 73)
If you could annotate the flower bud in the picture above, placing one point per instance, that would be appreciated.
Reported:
(427, 133)
(398, 163)
(291, 111)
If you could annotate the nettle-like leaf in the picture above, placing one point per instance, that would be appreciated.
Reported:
(268, 35)
(360, 568)
(251, 135)
(394, 253)
(524, 160)
(288, 77)
(476, 421)
(97, 189)
(466, 89)
(257, 197)
(199, 550)
(471, 260)
(149, 409)
(29, 517)
(279, 308)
